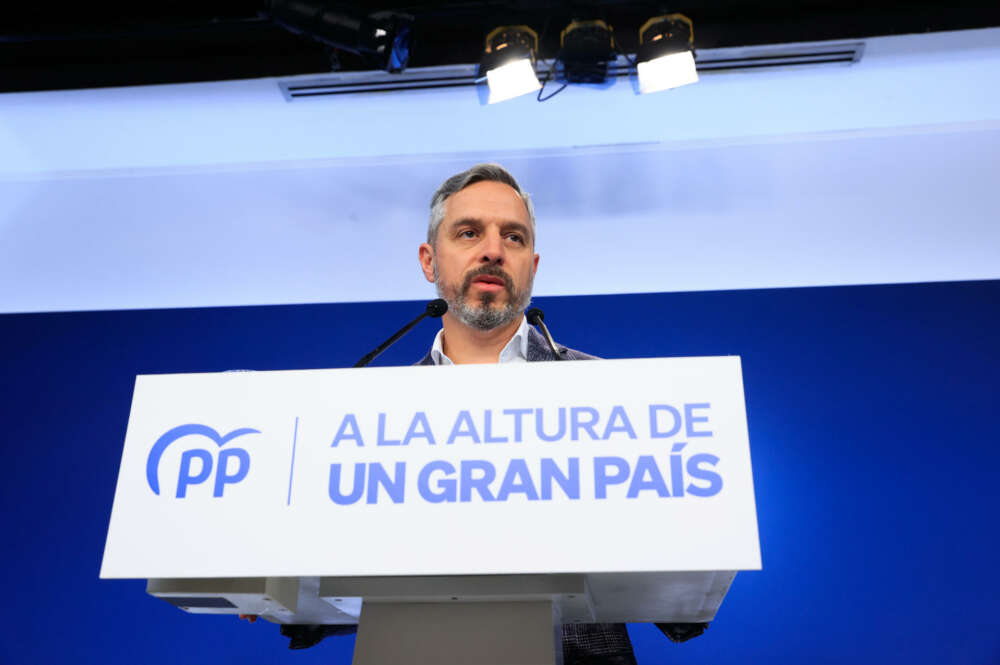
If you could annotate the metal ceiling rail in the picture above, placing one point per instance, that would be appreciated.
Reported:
(451, 76)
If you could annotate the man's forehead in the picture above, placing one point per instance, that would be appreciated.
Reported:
(487, 201)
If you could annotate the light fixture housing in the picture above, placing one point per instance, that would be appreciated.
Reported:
(382, 38)
(585, 49)
(665, 58)
(508, 62)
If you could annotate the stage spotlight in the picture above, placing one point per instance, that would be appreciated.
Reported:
(666, 53)
(382, 37)
(585, 48)
(509, 62)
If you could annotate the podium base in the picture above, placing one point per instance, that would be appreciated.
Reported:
(469, 633)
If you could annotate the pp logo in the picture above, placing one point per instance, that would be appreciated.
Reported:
(232, 467)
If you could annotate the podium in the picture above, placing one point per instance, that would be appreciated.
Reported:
(456, 514)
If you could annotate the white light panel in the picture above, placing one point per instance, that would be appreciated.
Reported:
(511, 80)
(668, 71)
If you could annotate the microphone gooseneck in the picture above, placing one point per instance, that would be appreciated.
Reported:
(536, 317)
(435, 309)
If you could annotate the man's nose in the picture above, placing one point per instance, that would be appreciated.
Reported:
(492, 249)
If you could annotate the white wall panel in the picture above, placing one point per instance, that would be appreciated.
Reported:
(855, 209)
(225, 194)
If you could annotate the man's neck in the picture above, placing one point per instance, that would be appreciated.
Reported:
(465, 345)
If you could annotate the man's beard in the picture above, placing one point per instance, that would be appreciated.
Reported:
(482, 315)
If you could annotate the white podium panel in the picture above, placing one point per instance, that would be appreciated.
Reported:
(609, 466)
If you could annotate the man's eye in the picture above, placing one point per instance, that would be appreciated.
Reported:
(467, 233)
(516, 237)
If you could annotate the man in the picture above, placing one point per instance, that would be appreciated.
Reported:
(480, 253)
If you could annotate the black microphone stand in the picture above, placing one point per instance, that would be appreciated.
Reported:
(435, 308)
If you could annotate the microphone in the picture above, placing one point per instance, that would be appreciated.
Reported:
(435, 309)
(536, 317)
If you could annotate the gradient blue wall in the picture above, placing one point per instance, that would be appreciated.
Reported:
(872, 413)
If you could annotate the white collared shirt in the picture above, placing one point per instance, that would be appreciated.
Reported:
(516, 350)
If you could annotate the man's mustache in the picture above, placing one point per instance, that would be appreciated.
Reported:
(491, 271)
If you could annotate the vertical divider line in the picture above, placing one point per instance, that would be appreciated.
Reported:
(291, 471)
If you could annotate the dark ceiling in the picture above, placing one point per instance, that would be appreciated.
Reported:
(60, 44)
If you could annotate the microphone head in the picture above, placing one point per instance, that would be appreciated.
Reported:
(535, 316)
(437, 308)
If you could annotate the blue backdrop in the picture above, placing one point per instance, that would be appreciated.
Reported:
(873, 418)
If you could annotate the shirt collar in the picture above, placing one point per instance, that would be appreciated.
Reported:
(516, 350)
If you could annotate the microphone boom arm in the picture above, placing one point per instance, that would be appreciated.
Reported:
(435, 308)
(537, 317)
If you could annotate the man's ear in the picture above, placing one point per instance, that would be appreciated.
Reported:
(426, 254)
(534, 267)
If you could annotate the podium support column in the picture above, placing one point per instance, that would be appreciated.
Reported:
(466, 633)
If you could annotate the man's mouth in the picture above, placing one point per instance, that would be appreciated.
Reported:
(490, 282)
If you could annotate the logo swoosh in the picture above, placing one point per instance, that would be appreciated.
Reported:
(153, 462)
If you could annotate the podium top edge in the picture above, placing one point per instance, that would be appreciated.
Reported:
(240, 371)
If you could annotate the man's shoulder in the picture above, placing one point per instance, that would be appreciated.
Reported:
(539, 350)
(573, 354)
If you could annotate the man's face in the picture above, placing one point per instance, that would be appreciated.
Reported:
(483, 261)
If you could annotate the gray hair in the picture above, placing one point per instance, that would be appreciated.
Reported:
(459, 181)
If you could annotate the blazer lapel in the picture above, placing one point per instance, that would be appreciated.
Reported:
(538, 348)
